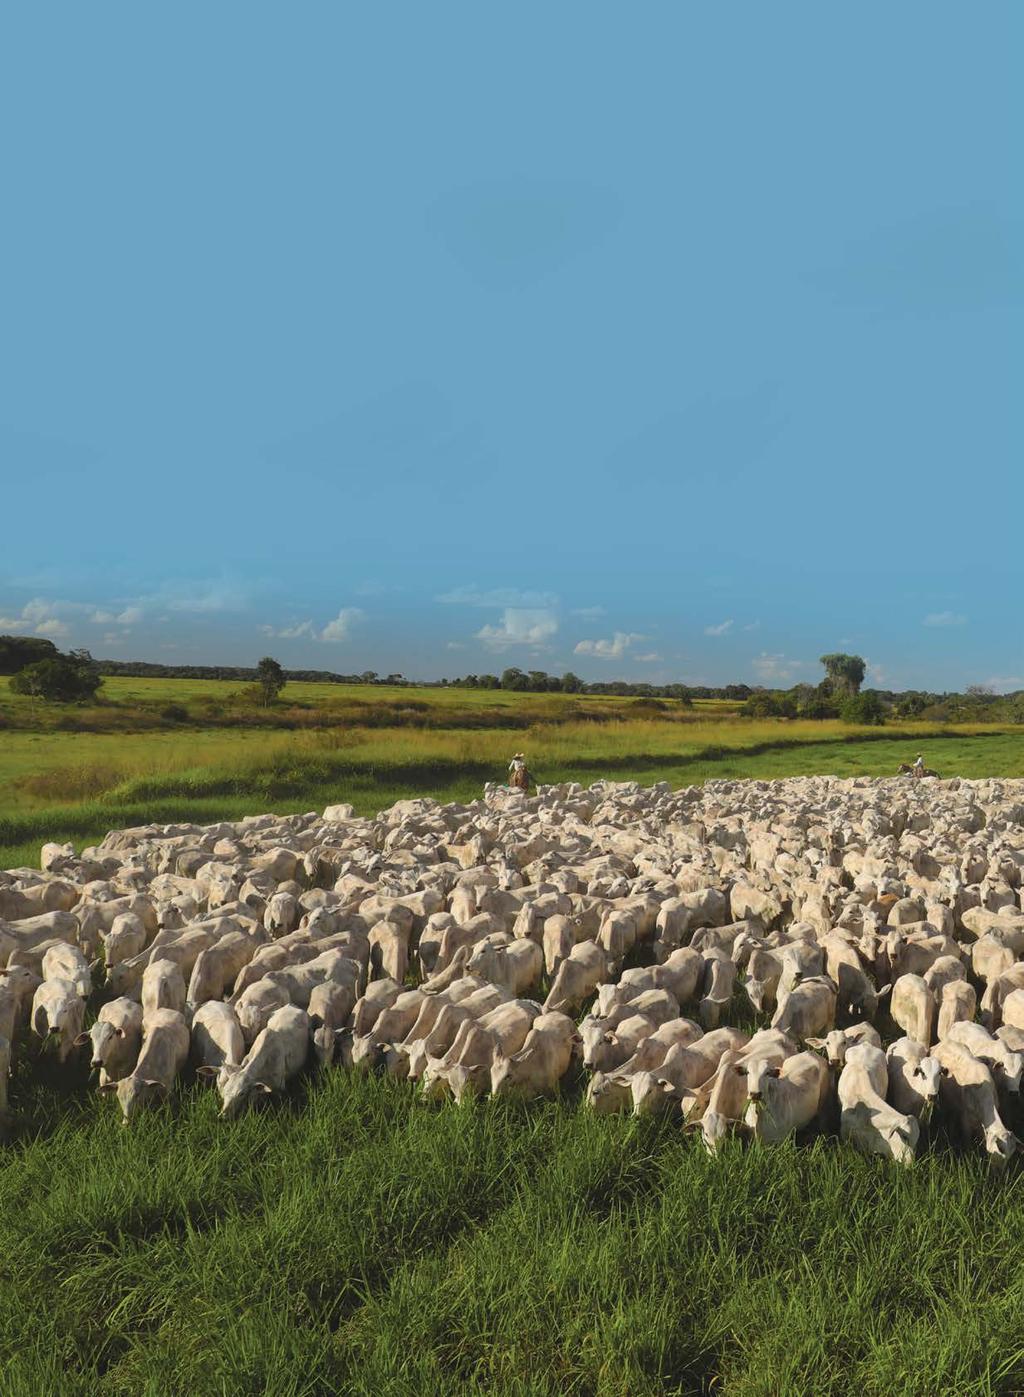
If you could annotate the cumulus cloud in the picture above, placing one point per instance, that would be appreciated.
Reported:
(339, 630)
(612, 649)
(497, 597)
(944, 618)
(335, 632)
(776, 669)
(520, 625)
(54, 618)
(723, 628)
(649, 658)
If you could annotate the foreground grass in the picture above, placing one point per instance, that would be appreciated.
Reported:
(354, 1240)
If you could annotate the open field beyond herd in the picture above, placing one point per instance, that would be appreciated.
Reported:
(571, 1226)
(197, 749)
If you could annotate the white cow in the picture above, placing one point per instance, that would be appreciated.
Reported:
(58, 1013)
(866, 1120)
(913, 1078)
(786, 1099)
(164, 1055)
(116, 1038)
(542, 1062)
(216, 1035)
(278, 1055)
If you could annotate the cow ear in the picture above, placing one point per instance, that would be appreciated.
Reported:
(160, 1087)
(774, 1071)
(262, 1086)
(886, 989)
(818, 1044)
(741, 1071)
(207, 1071)
(81, 1040)
(944, 1071)
(107, 1086)
(119, 1032)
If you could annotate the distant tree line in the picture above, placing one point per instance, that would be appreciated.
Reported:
(40, 669)
(144, 669)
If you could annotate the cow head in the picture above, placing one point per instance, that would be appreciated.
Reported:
(761, 1077)
(238, 1091)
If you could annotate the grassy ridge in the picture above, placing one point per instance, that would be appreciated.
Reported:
(353, 1239)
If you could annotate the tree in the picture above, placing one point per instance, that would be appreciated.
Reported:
(864, 708)
(269, 679)
(513, 678)
(70, 678)
(17, 651)
(845, 673)
(571, 683)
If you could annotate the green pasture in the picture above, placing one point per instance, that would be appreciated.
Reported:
(352, 1239)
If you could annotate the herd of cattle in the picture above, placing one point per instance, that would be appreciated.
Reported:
(873, 926)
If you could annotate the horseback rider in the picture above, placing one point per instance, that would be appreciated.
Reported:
(519, 777)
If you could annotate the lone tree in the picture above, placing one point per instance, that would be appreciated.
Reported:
(72, 678)
(270, 680)
(844, 673)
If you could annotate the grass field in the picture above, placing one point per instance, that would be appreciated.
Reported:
(351, 1239)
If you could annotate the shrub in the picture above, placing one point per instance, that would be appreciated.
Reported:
(70, 678)
(174, 713)
(768, 705)
(863, 708)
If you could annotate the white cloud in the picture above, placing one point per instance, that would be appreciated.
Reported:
(752, 626)
(649, 658)
(301, 628)
(456, 645)
(944, 618)
(589, 613)
(878, 674)
(333, 633)
(338, 630)
(520, 626)
(52, 617)
(776, 669)
(723, 628)
(498, 597)
(1006, 683)
(612, 649)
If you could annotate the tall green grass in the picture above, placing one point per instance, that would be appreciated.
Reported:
(352, 1239)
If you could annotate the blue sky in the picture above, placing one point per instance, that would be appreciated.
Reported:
(663, 341)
